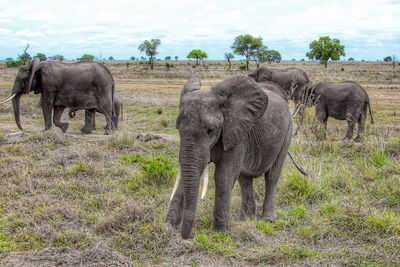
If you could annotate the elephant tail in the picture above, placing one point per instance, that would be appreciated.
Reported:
(297, 166)
(122, 111)
(113, 118)
(370, 112)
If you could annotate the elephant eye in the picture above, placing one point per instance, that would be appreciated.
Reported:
(210, 131)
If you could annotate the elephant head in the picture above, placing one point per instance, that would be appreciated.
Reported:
(24, 83)
(262, 74)
(222, 116)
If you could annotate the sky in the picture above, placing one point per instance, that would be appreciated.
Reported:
(369, 29)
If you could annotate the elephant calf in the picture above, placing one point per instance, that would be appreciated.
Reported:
(342, 101)
(245, 129)
(90, 116)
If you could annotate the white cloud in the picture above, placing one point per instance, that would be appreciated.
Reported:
(121, 25)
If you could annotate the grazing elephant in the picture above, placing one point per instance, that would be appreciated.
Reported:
(342, 101)
(81, 85)
(292, 80)
(90, 115)
(245, 130)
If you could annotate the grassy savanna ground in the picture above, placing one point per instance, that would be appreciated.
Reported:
(101, 200)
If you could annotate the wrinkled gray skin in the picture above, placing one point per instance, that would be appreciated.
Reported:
(81, 85)
(90, 115)
(246, 131)
(342, 101)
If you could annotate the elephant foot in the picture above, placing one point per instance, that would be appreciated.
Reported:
(86, 130)
(221, 229)
(109, 131)
(64, 127)
(173, 221)
(269, 216)
(347, 139)
(359, 139)
(243, 215)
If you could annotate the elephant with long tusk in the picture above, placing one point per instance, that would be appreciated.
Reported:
(246, 130)
(81, 85)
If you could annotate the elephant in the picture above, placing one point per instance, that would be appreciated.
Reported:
(246, 130)
(342, 101)
(81, 85)
(90, 115)
(293, 81)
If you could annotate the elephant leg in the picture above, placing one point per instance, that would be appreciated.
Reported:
(226, 172)
(58, 111)
(106, 109)
(325, 123)
(321, 116)
(93, 119)
(88, 121)
(47, 112)
(248, 207)
(175, 210)
(272, 178)
(117, 109)
(361, 124)
(350, 127)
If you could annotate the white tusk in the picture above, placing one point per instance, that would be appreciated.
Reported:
(177, 182)
(205, 182)
(8, 99)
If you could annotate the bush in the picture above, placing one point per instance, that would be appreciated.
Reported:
(168, 65)
(156, 171)
(242, 67)
(14, 64)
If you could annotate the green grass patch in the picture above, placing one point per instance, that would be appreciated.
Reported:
(157, 171)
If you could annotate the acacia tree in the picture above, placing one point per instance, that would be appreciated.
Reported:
(58, 57)
(87, 57)
(246, 45)
(228, 57)
(324, 49)
(176, 58)
(150, 49)
(259, 55)
(388, 59)
(198, 55)
(41, 56)
(25, 57)
(168, 58)
(273, 56)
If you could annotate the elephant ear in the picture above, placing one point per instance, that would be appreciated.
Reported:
(35, 66)
(253, 75)
(193, 84)
(244, 102)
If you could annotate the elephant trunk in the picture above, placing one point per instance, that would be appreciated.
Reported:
(192, 167)
(16, 107)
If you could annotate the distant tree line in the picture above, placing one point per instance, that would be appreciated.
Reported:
(251, 48)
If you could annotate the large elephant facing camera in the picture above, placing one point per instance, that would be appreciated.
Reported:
(82, 85)
(246, 131)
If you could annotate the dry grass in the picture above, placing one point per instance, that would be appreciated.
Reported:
(70, 199)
